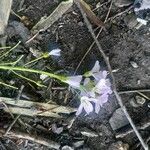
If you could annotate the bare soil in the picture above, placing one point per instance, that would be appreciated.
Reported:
(121, 44)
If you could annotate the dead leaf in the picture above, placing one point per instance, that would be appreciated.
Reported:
(31, 108)
(45, 23)
(93, 18)
(5, 7)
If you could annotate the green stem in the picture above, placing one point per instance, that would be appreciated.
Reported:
(59, 77)
(35, 60)
(5, 47)
(13, 63)
(10, 50)
(21, 76)
(10, 86)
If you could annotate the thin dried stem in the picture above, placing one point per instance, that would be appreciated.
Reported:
(134, 91)
(106, 20)
(91, 46)
(89, 26)
(11, 125)
(34, 138)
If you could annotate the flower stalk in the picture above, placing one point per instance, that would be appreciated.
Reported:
(51, 75)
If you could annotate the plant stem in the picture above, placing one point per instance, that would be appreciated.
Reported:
(59, 77)
(10, 50)
(10, 86)
(34, 60)
(89, 26)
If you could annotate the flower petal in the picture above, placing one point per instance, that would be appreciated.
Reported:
(97, 108)
(88, 107)
(96, 67)
(86, 81)
(103, 99)
(55, 52)
(74, 81)
(104, 73)
(85, 101)
(79, 111)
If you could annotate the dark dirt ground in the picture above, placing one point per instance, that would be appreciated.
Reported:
(121, 44)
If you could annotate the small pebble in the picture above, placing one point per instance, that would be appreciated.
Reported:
(78, 144)
(140, 100)
(122, 3)
(118, 120)
(89, 133)
(66, 147)
(131, 21)
(80, 23)
(119, 146)
(138, 82)
(133, 103)
(134, 64)
(148, 105)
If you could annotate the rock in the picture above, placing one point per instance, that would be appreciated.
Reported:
(141, 9)
(140, 100)
(78, 144)
(122, 3)
(134, 64)
(119, 146)
(80, 24)
(133, 103)
(131, 21)
(89, 133)
(18, 28)
(66, 147)
(57, 130)
(118, 120)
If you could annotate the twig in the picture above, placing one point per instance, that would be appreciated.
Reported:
(91, 46)
(141, 127)
(7, 85)
(143, 95)
(20, 92)
(140, 92)
(107, 20)
(121, 13)
(33, 37)
(89, 26)
(2, 145)
(37, 139)
(10, 50)
(12, 12)
(18, 97)
(134, 91)
(11, 125)
(101, 5)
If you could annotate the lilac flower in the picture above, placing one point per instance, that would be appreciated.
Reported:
(100, 101)
(55, 52)
(94, 91)
(96, 72)
(103, 86)
(85, 104)
(74, 81)
(86, 88)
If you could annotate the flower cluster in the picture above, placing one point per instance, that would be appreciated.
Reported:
(94, 91)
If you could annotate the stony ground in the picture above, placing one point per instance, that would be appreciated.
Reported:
(125, 43)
